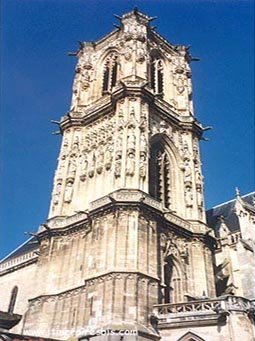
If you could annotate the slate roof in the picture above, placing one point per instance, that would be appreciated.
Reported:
(28, 246)
(227, 210)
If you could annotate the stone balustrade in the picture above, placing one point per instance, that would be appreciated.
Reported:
(168, 313)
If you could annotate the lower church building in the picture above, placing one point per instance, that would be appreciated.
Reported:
(127, 251)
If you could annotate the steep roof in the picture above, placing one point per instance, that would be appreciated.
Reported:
(28, 246)
(227, 210)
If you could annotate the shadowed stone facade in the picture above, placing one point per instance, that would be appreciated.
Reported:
(126, 245)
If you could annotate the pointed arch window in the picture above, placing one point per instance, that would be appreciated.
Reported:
(160, 175)
(13, 299)
(110, 72)
(157, 76)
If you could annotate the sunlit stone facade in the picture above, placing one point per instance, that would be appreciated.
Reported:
(126, 245)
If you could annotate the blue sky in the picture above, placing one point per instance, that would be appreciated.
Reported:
(36, 80)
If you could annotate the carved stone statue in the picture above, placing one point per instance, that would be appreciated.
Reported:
(143, 144)
(72, 167)
(130, 170)
(187, 173)
(84, 164)
(108, 158)
(143, 166)
(68, 192)
(188, 197)
(56, 193)
(117, 171)
(131, 140)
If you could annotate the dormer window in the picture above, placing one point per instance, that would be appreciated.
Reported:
(110, 73)
(156, 76)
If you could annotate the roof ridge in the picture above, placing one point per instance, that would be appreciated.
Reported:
(229, 201)
(17, 248)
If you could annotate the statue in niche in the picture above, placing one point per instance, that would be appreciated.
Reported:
(119, 146)
(84, 164)
(100, 159)
(140, 52)
(72, 166)
(186, 153)
(143, 166)
(64, 151)
(68, 192)
(85, 80)
(163, 127)
(108, 157)
(198, 177)
(187, 173)
(61, 165)
(143, 143)
(91, 163)
(143, 121)
(196, 154)
(75, 146)
(188, 197)
(130, 170)
(200, 202)
(128, 51)
(180, 84)
(131, 140)
(117, 171)
(56, 193)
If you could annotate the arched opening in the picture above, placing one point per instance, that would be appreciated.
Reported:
(173, 282)
(110, 72)
(13, 299)
(160, 174)
(157, 75)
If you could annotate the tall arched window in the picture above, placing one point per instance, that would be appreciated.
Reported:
(13, 298)
(110, 72)
(160, 175)
(156, 76)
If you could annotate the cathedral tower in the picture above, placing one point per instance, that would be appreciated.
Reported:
(126, 228)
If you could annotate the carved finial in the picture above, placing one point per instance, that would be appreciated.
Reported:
(135, 10)
(237, 192)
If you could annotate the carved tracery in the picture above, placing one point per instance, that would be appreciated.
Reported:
(156, 75)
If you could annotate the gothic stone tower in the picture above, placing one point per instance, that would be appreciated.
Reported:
(126, 227)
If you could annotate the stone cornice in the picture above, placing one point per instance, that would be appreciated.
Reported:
(126, 199)
(130, 87)
(90, 281)
(18, 266)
